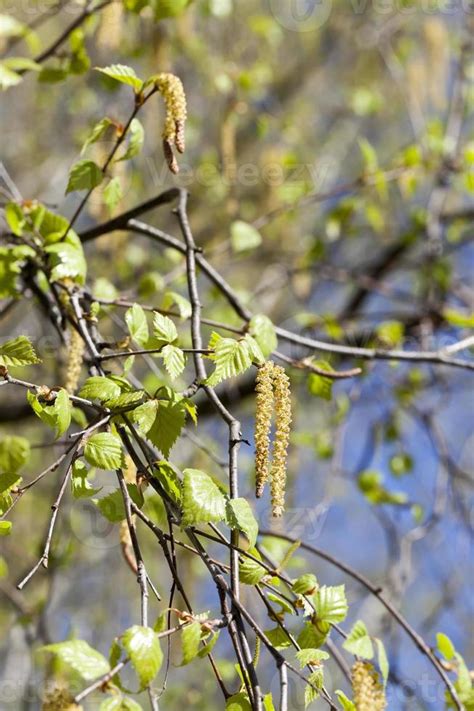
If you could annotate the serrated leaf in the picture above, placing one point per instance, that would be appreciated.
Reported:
(184, 307)
(255, 352)
(143, 648)
(311, 656)
(167, 426)
(7, 480)
(15, 218)
(305, 585)
(144, 415)
(81, 657)
(136, 321)
(99, 387)
(190, 641)
(104, 450)
(318, 385)
(112, 506)
(98, 131)
(238, 702)
(135, 144)
(164, 330)
(169, 480)
(174, 360)
(313, 634)
(346, 703)
(66, 259)
(331, 604)
(17, 352)
(358, 641)
(250, 572)
(14, 453)
(231, 358)
(203, 501)
(240, 516)
(209, 646)
(278, 638)
(126, 401)
(122, 73)
(244, 236)
(56, 413)
(113, 193)
(310, 693)
(84, 175)
(81, 486)
(263, 330)
(120, 703)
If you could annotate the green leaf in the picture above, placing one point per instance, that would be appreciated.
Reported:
(369, 155)
(120, 703)
(144, 415)
(143, 648)
(310, 693)
(99, 387)
(314, 634)
(318, 385)
(167, 426)
(169, 480)
(104, 450)
(390, 333)
(263, 330)
(190, 641)
(112, 194)
(184, 307)
(99, 130)
(311, 656)
(359, 642)
(331, 604)
(81, 657)
(244, 236)
(278, 638)
(124, 74)
(250, 572)
(8, 77)
(445, 646)
(170, 8)
(239, 515)
(66, 259)
(81, 486)
(14, 453)
(135, 145)
(370, 483)
(231, 358)
(15, 218)
(164, 330)
(18, 351)
(112, 506)
(174, 360)
(54, 411)
(459, 318)
(346, 703)
(238, 702)
(8, 480)
(84, 175)
(209, 646)
(135, 319)
(203, 501)
(5, 528)
(305, 584)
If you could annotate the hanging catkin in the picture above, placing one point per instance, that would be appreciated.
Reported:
(368, 691)
(272, 395)
(281, 385)
(75, 352)
(171, 89)
(263, 423)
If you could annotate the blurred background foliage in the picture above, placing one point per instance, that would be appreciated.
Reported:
(315, 146)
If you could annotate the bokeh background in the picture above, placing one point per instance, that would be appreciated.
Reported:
(290, 103)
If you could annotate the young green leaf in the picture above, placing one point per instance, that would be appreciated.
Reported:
(311, 693)
(81, 657)
(382, 660)
(5, 528)
(84, 175)
(445, 646)
(305, 585)
(99, 130)
(17, 352)
(318, 385)
(250, 572)
(99, 387)
(174, 360)
(135, 145)
(164, 330)
(190, 641)
(331, 604)
(135, 319)
(14, 453)
(231, 358)
(203, 501)
(104, 450)
(311, 656)
(346, 703)
(168, 423)
(244, 236)
(120, 703)
(263, 330)
(112, 506)
(113, 193)
(359, 642)
(239, 515)
(124, 74)
(238, 702)
(143, 648)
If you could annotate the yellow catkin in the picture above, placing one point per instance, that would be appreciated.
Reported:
(171, 89)
(59, 700)
(75, 353)
(263, 422)
(282, 393)
(367, 689)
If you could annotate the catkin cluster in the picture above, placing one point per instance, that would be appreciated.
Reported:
(59, 700)
(273, 395)
(171, 88)
(75, 353)
(368, 691)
